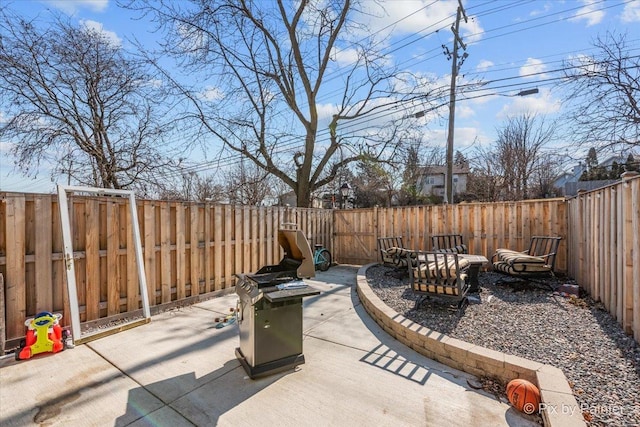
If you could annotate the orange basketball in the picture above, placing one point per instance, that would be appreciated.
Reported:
(523, 395)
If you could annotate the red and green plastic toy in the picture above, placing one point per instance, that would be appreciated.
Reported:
(44, 335)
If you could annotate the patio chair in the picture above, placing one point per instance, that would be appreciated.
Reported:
(451, 243)
(393, 253)
(439, 274)
(537, 261)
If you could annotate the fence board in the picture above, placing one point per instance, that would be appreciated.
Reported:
(132, 282)
(247, 240)
(15, 289)
(619, 256)
(228, 257)
(633, 266)
(43, 251)
(181, 274)
(218, 249)
(113, 266)
(165, 252)
(237, 243)
(208, 238)
(150, 250)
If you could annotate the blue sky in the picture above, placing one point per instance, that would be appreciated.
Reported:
(511, 42)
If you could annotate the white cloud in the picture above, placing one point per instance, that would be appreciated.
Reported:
(407, 17)
(631, 12)
(464, 111)
(5, 147)
(211, 93)
(464, 137)
(398, 18)
(326, 111)
(586, 63)
(545, 9)
(533, 66)
(472, 31)
(99, 28)
(72, 6)
(589, 13)
(484, 65)
(344, 56)
(155, 83)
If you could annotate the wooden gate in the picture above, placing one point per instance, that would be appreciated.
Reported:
(354, 236)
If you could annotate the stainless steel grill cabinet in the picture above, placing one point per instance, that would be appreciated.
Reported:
(270, 308)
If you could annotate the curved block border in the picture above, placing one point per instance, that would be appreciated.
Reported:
(559, 406)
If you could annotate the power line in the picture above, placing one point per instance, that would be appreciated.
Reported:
(402, 43)
(465, 89)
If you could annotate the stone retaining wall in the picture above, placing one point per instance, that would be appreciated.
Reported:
(559, 409)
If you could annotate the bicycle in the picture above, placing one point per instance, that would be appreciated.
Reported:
(321, 258)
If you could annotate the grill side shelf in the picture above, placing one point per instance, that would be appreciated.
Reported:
(288, 294)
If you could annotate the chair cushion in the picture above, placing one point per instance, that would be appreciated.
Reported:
(401, 252)
(513, 257)
(398, 256)
(460, 249)
(428, 271)
(403, 262)
(521, 268)
(449, 289)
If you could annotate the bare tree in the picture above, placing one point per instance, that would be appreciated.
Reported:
(485, 179)
(193, 187)
(547, 169)
(605, 94)
(267, 66)
(248, 185)
(517, 154)
(73, 97)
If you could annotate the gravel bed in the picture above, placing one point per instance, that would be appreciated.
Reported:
(575, 334)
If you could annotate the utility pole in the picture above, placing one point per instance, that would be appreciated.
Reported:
(455, 66)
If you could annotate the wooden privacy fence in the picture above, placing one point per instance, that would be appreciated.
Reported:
(484, 227)
(604, 248)
(190, 251)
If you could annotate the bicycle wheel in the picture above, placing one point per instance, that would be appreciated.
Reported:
(324, 260)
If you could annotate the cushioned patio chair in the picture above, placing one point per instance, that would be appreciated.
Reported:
(451, 243)
(439, 274)
(393, 253)
(537, 261)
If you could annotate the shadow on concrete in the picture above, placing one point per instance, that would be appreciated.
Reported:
(213, 395)
(388, 360)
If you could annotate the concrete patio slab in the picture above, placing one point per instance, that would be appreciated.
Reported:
(180, 370)
(72, 388)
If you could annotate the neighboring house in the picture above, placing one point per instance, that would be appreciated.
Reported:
(569, 182)
(431, 180)
(568, 178)
(572, 188)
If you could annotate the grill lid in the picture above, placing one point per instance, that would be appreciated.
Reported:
(296, 247)
(297, 262)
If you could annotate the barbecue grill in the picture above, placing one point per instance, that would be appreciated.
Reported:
(270, 308)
